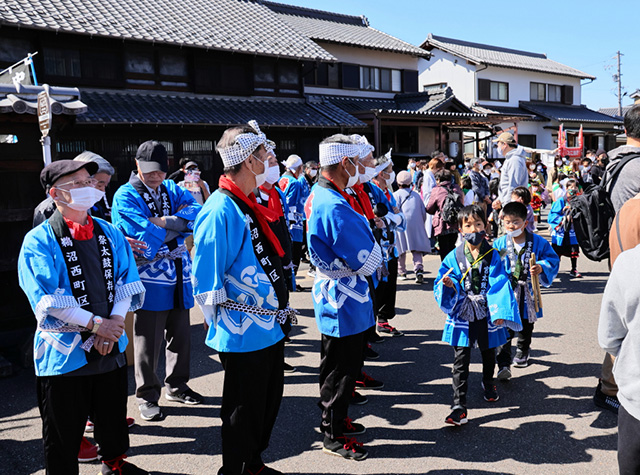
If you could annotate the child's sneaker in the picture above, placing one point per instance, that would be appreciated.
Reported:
(118, 466)
(490, 392)
(358, 399)
(367, 382)
(457, 417)
(504, 374)
(384, 327)
(574, 273)
(419, 277)
(370, 353)
(88, 452)
(600, 399)
(350, 428)
(345, 447)
(521, 360)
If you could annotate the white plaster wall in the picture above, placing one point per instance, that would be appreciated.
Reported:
(519, 87)
(445, 67)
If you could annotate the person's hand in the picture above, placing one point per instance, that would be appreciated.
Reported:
(103, 345)
(160, 221)
(137, 247)
(536, 269)
(496, 204)
(396, 210)
(111, 329)
(446, 281)
(487, 200)
(499, 322)
(181, 207)
(379, 223)
(500, 215)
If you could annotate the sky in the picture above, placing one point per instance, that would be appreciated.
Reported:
(582, 34)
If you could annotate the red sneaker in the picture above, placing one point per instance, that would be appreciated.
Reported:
(366, 381)
(88, 451)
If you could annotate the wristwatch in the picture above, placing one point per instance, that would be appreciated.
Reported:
(97, 321)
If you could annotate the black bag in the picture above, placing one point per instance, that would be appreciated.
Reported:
(452, 204)
(592, 213)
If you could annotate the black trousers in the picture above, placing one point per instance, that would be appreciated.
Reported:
(296, 255)
(628, 443)
(65, 402)
(461, 361)
(340, 365)
(446, 244)
(504, 357)
(251, 396)
(386, 293)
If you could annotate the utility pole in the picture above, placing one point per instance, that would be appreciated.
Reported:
(618, 78)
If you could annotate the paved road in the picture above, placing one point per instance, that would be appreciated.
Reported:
(545, 420)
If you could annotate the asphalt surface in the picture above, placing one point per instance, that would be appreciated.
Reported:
(545, 421)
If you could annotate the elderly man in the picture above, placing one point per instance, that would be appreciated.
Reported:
(294, 191)
(81, 279)
(240, 287)
(514, 171)
(345, 253)
(160, 213)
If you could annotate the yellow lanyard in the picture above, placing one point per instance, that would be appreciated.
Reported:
(474, 263)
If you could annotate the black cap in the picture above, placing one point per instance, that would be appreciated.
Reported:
(53, 172)
(151, 157)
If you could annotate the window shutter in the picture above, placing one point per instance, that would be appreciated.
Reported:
(484, 90)
(409, 80)
(350, 76)
(567, 95)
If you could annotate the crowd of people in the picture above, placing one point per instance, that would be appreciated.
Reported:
(164, 245)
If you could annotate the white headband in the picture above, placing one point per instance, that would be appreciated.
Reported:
(334, 152)
(365, 147)
(245, 144)
(293, 162)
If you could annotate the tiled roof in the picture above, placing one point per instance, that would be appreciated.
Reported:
(231, 25)
(569, 113)
(635, 94)
(136, 107)
(431, 100)
(342, 29)
(613, 111)
(64, 100)
(502, 57)
(506, 111)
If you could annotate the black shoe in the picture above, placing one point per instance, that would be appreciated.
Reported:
(189, 396)
(490, 392)
(358, 399)
(367, 382)
(288, 368)
(457, 417)
(370, 353)
(384, 327)
(609, 403)
(120, 467)
(350, 428)
(262, 470)
(575, 274)
(345, 447)
(300, 288)
(504, 373)
(419, 277)
(150, 411)
(521, 359)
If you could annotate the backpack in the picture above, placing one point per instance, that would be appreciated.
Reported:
(452, 204)
(593, 213)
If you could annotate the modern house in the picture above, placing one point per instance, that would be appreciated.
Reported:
(526, 92)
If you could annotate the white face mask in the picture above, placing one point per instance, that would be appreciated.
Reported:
(391, 179)
(83, 198)
(313, 173)
(412, 165)
(515, 233)
(260, 178)
(352, 179)
(368, 174)
(273, 174)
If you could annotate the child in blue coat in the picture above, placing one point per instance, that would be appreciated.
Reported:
(563, 236)
(473, 289)
(517, 247)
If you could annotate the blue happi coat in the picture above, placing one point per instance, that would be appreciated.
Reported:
(131, 215)
(545, 257)
(295, 197)
(556, 214)
(379, 196)
(44, 278)
(501, 303)
(225, 266)
(306, 190)
(344, 251)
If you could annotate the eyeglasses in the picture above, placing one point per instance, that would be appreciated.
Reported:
(79, 183)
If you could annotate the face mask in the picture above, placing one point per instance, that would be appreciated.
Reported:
(368, 174)
(353, 179)
(532, 167)
(391, 179)
(474, 238)
(558, 163)
(313, 173)
(84, 198)
(412, 165)
(260, 178)
(487, 171)
(581, 168)
(273, 174)
(515, 233)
